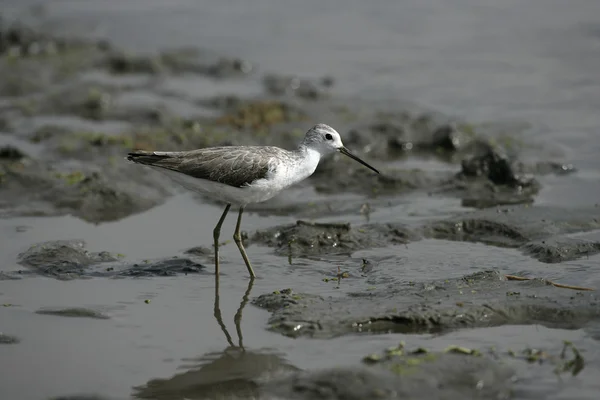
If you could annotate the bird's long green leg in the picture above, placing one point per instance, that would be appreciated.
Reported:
(237, 237)
(216, 234)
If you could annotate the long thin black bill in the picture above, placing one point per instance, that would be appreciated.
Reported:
(345, 152)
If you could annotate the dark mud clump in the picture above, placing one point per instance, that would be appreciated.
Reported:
(166, 267)
(11, 153)
(307, 238)
(539, 231)
(488, 177)
(63, 259)
(479, 300)
(561, 248)
(68, 259)
(8, 339)
(76, 312)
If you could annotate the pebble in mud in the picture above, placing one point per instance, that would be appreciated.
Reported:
(8, 339)
(11, 153)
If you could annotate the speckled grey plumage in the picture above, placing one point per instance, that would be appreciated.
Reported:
(235, 166)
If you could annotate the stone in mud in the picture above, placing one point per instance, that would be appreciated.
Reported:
(75, 312)
(61, 258)
(488, 177)
(524, 227)
(8, 339)
(423, 135)
(402, 133)
(223, 68)
(11, 153)
(414, 376)
(307, 238)
(478, 300)
(303, 88)
(119, 62)
(489, 162)
(166, 267)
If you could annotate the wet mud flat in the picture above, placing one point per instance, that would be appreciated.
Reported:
(70, 110)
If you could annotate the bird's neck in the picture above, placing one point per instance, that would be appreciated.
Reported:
(308, 159)
(308, 153)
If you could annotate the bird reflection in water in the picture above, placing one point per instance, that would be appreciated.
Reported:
(238, 315)
(233, 372)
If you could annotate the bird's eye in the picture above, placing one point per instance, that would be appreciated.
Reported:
(328, 136)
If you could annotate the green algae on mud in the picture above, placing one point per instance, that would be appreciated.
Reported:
(478, 300)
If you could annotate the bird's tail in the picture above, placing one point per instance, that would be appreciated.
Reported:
(149, 157)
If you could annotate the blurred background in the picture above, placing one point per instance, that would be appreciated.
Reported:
(84, 81)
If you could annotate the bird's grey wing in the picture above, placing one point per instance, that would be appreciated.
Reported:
(232, 165)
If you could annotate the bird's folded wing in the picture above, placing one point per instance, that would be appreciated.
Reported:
(231, 165)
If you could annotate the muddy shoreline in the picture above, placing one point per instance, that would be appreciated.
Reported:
(71, 109)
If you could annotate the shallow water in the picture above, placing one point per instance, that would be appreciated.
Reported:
(176, 332)
(534, 62)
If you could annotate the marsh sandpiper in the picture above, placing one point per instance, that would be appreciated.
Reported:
(240, 175)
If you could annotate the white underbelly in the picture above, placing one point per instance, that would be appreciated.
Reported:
(239, 196)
